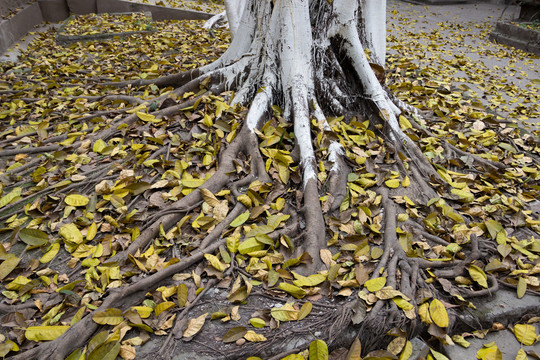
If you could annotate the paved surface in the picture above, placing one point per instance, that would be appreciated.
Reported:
(453, 40)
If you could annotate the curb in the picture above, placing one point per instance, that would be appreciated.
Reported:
(517, 36)
(14, 28)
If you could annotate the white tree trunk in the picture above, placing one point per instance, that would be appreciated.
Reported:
(234, 9)
(374, 18)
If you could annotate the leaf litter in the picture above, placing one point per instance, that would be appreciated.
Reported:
(80, 202)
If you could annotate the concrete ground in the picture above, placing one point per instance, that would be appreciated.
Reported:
(452, 41)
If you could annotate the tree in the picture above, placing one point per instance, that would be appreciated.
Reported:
(302, 62)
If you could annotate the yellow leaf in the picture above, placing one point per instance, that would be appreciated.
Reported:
(438, 313)
(233, 242)
(407, 351)
(355, 351)
(143, 311)
(312, 280)
(305, 310)
(521, 287)
(253, 336)
(521, 355)
(464, 195)
(404, 123)
(99, 145)
(193, 183)
(525, 333)
(214, 261)
(147, 117)
(245, 200)
(392, 183)
(92, 231)
(71, 234)
(490, 352)
(182, 293)
(161, 307)
(285, 313)
(460, 340)
(76, 200)
(257, 322)
(195, 325)
(6, 199)
(438, 355)
(209, 197)
(135, 109)
(110, 316)
(44, 333)
(396, 345)
(375, 284)
(406, 182)
(478, 275)
(402, 217)
(51, 253)
(403, 304)
(292, 290)
(423, 312)
(318, 350)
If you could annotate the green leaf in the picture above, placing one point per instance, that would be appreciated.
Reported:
(240, 219)
(318, 350)
(375, 284)
(250, 245)
(257, 322)
(295, 291)
(33, 237)
(234, 334)
(107, 351)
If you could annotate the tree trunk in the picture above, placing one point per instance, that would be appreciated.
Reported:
(314, 60)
